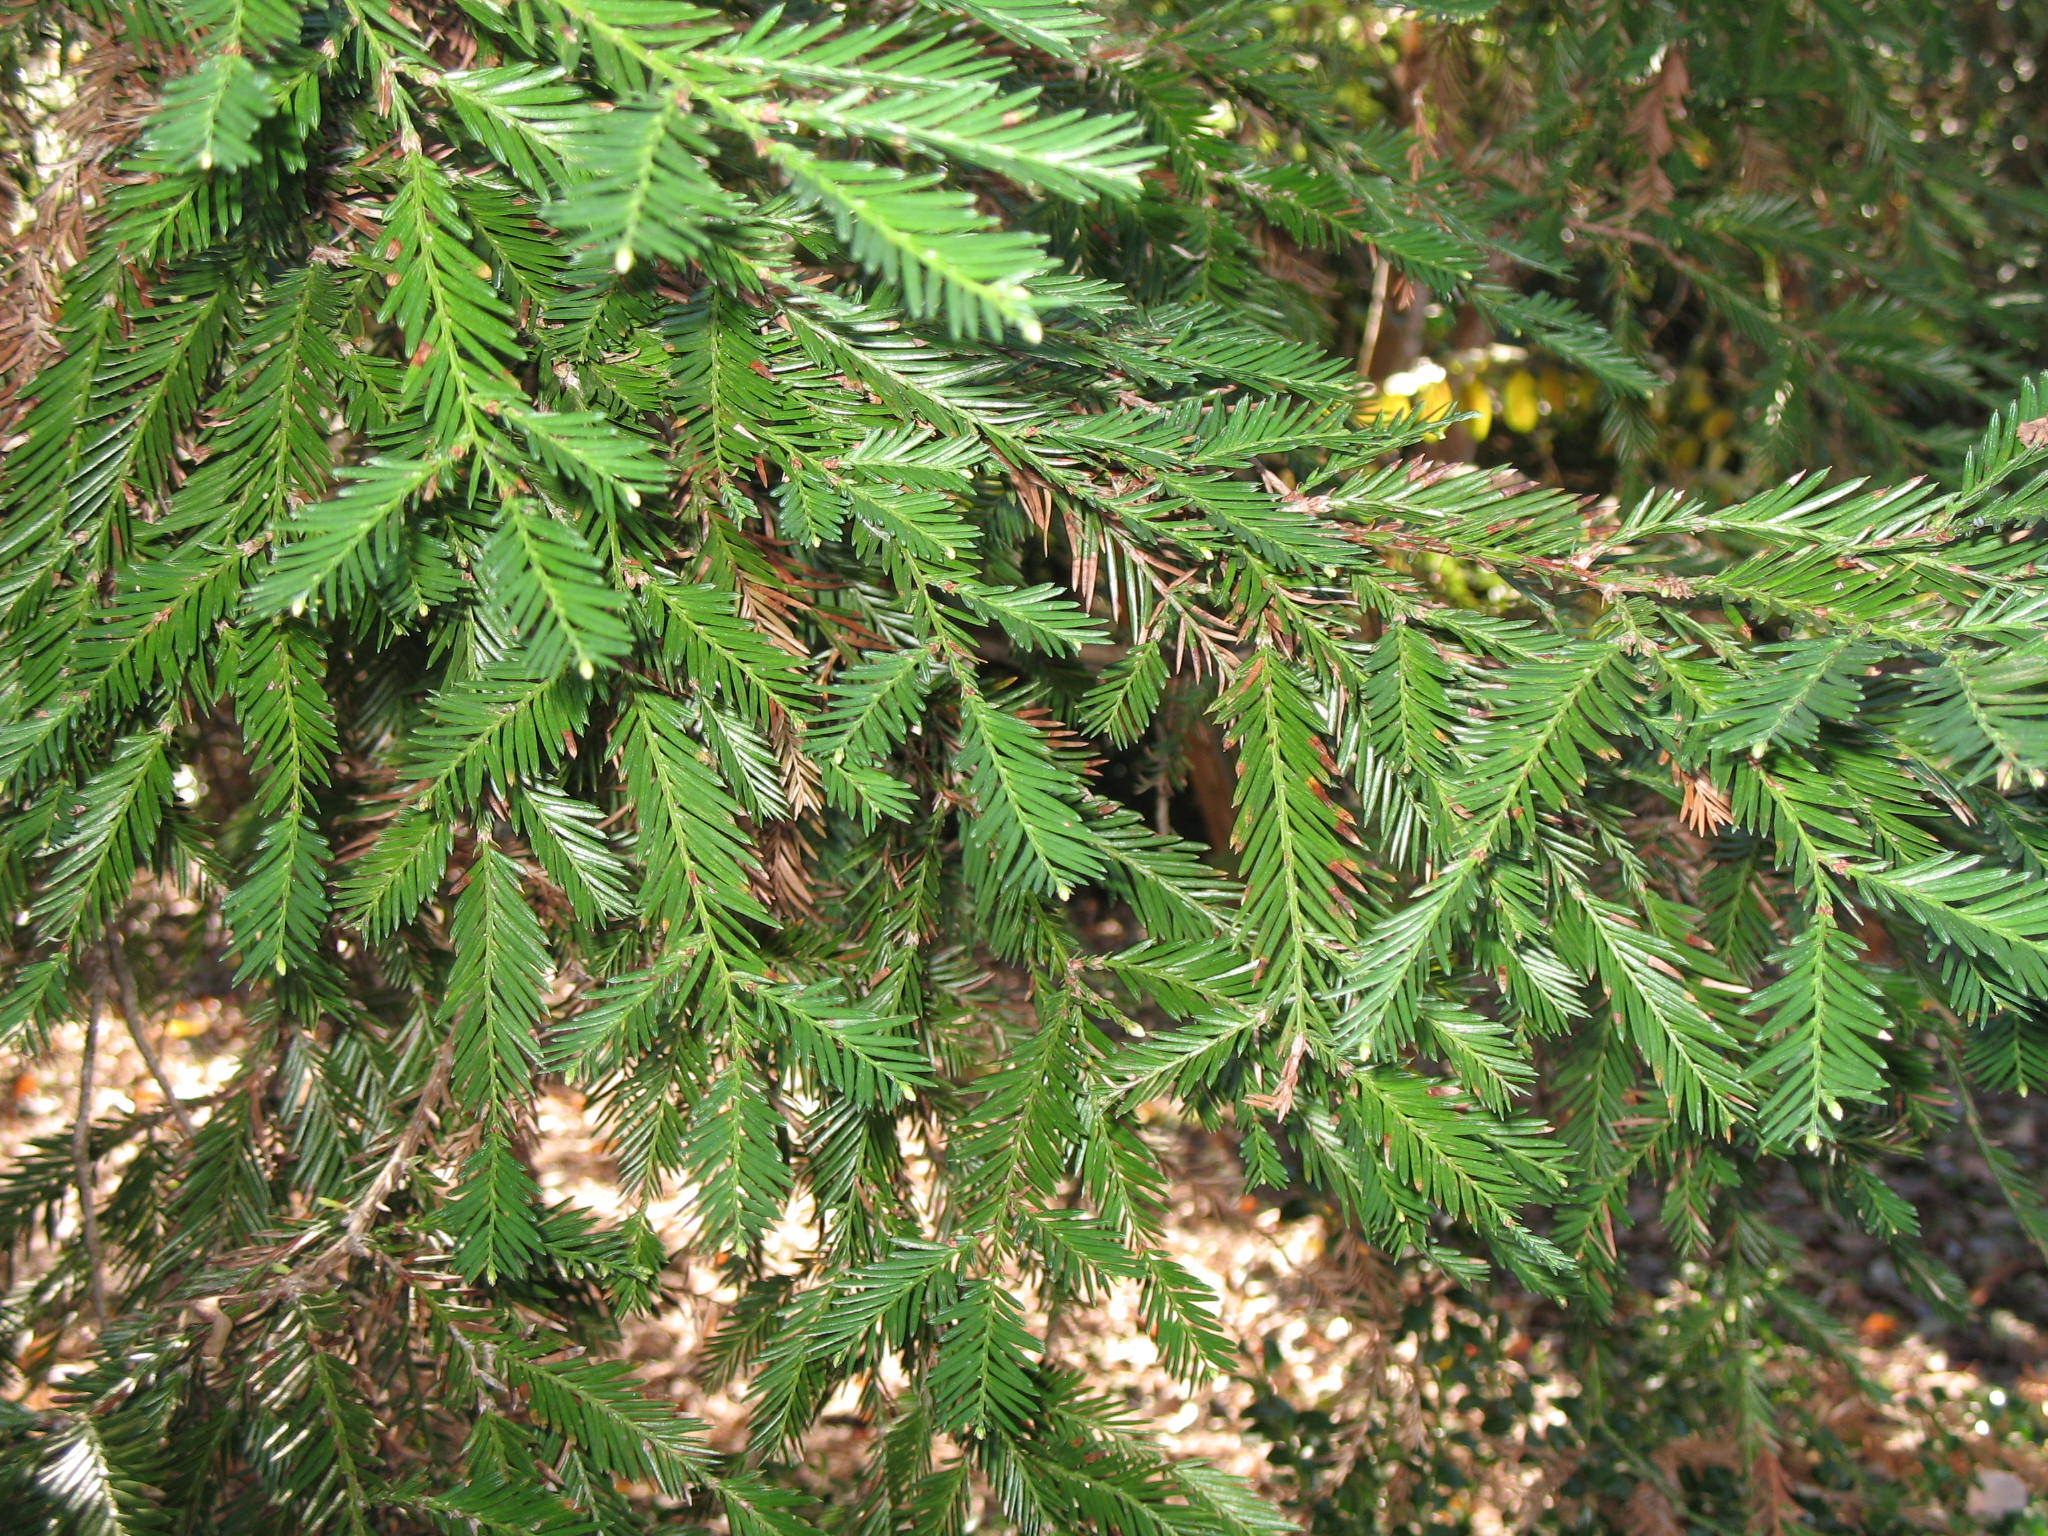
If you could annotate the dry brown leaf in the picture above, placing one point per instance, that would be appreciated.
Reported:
(1661, 105)
(1649, 1513)
(1704, 809)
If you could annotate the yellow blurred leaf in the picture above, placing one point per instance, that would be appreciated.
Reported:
(1434, 401)
(1372, 410)
(1521, 406)
(1479, 401)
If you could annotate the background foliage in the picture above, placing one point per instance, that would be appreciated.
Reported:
(682, 552)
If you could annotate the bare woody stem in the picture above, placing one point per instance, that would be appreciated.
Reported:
(363, 1214)
(131, 1015)
(82, 1169)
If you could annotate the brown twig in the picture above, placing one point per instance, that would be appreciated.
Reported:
(131, 1015)
(362, 1215)
(1375, 318)
(1633, 237)
(82, 1164)
(364, 1212)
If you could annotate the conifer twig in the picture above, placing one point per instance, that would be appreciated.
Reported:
(364, 1211)
(1375, 318)
(82, 1163)
(131, 1015)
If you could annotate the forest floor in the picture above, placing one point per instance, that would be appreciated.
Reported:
(1345, 1355)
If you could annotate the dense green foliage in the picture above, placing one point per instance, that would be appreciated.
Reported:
(1823, 219)
(655, 547)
